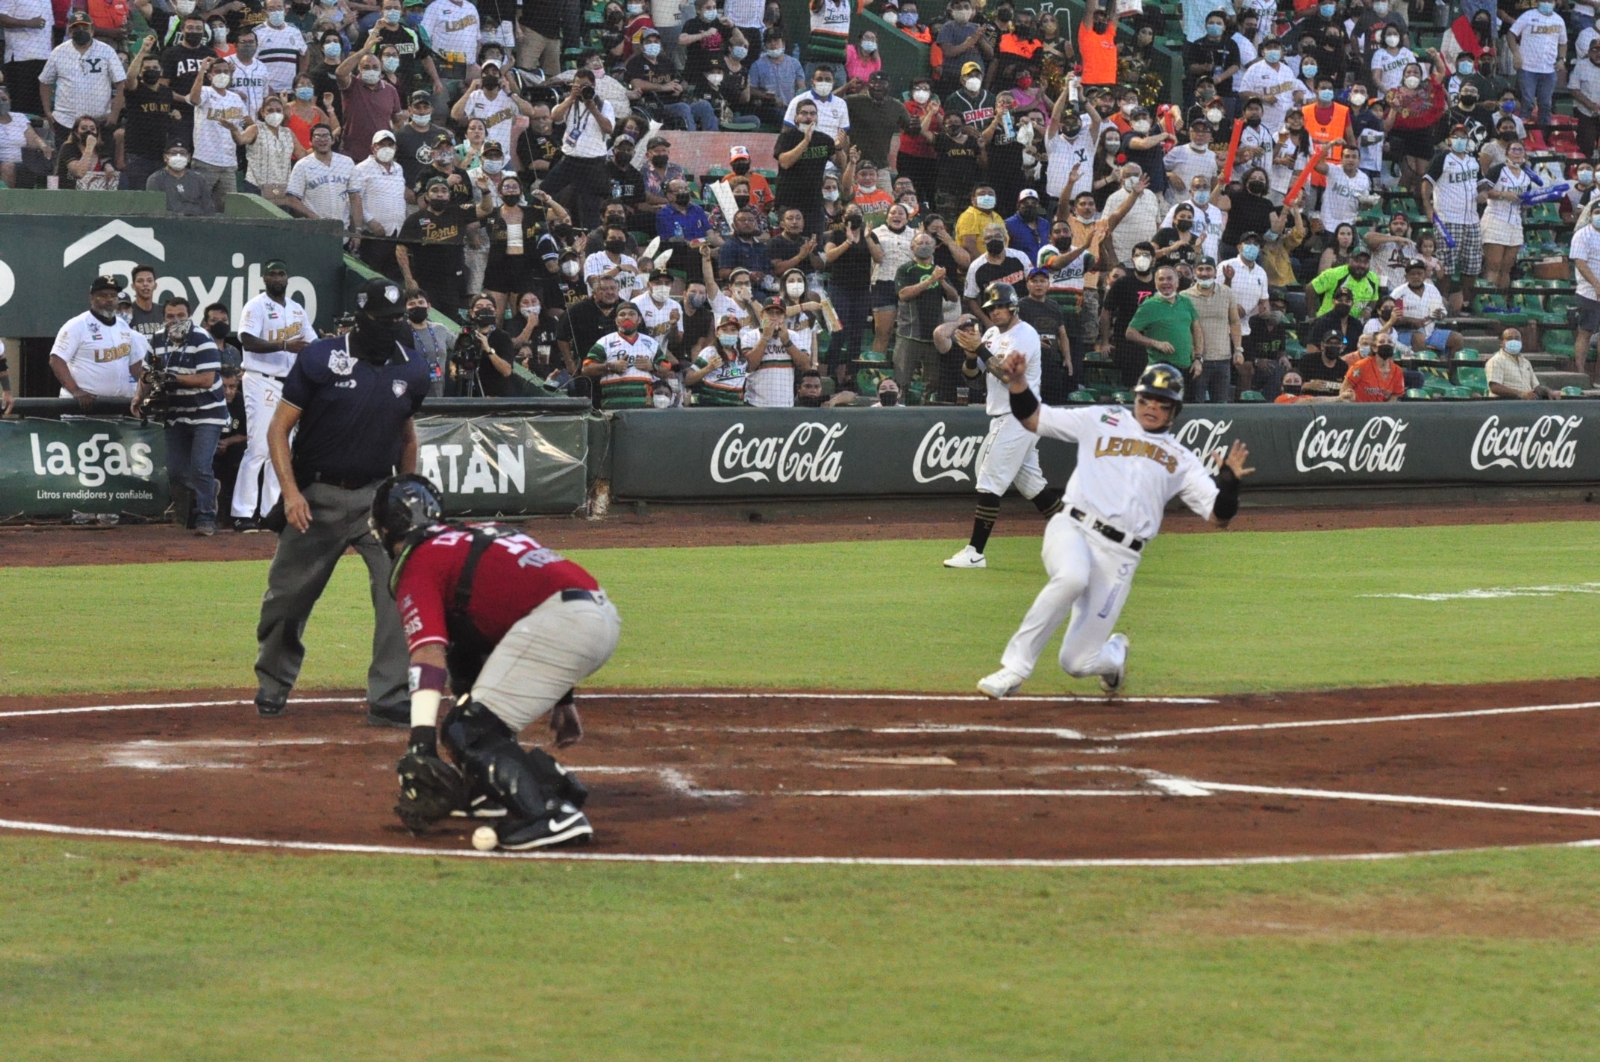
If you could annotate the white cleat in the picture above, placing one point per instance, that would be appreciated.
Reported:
(967, 558)
(1112, 684)
(1002, 683)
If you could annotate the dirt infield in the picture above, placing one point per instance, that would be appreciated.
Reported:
(874, 776)
(752, 524)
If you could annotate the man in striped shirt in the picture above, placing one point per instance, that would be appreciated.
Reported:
(193, 410)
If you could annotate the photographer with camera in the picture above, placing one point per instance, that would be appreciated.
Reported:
(181, 386)
(483, 355)
(579, 181)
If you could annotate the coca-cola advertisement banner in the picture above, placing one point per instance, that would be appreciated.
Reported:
(712, 453)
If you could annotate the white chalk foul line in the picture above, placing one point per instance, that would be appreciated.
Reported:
(1300, 724)
(1390, 798)
(169, 704)
(1063, 699)
(624, 857)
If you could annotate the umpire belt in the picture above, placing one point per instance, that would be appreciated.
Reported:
(1106, 531)
(305, 479)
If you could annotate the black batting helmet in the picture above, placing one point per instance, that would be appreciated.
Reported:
(1162, 381)
(999, 294)
(402, 506)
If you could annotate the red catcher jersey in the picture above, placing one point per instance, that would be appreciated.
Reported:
(515, 576)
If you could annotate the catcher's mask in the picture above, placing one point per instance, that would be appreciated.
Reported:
(1162, 381)
(403, 507)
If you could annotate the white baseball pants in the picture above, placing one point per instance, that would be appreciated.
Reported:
(545, 654)
(1009, 455)
(256, 490)
(1089, 579)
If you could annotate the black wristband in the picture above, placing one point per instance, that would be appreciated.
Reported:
(424, 741)
(1227, 503)
(1024, 404)
(981, 355)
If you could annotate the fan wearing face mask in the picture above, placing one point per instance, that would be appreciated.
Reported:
(1097, 42)
(1584, 84)
(181, 60)
(1541, 38)
(281, 46)
(1209, 53)
(490, 99)
(1272, 80)
(220, 121)
(369, 99)
(833, 114)
(269, 154)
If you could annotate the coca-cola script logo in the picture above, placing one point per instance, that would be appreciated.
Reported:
(805, 455)
(944, 457)
(1373, 447)
(1546, 443)
(1205, 438)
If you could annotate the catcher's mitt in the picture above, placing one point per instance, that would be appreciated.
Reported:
(430, 789)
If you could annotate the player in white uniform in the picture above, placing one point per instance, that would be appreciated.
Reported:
(1129, 467)
(96, 353)
(1010, 454)
(273, 330)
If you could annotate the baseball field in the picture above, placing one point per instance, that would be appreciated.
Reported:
(1347, 809)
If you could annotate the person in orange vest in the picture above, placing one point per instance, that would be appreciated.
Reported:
(1097, 44)
(910, 23)
(1017, 47)
(1328, 124)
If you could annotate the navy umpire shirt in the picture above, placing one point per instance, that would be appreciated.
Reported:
(352, 412)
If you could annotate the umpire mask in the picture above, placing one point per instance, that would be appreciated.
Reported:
(380, 321)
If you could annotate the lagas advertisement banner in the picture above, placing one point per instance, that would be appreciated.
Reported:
(54, 468)
(491, 466)
(722, 453)
(48, 261)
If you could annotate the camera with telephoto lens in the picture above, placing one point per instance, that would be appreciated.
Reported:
(587, 92)
(466, 352)
(158, 384)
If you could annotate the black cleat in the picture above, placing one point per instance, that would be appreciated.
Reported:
(398, 718)
(561, 823)
(270, 709)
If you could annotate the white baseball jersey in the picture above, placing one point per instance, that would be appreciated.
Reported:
(1020, 338)
(658, 319)
(1340, 200)
(1455, 188)
(1387, 70)
(1418, 305)
(275, 324)
(102, 356)
(1064, 155)
(1276, 87)
(1126, 475)
(1541, 37)
(213, 143)
(453, 29)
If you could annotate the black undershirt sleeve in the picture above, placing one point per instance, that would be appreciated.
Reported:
(1227, 503)
(1023, 404)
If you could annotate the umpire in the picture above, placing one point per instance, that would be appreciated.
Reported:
(353, 398)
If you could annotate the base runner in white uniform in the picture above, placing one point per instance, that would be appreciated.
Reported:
(1129, 467)
(273, 330)
(1010, 454)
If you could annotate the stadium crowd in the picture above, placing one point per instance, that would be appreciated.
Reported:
(1331, 199)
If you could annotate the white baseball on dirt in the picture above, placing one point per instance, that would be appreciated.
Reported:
(484, 839)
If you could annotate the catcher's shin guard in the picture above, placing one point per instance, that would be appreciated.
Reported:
(524, 782)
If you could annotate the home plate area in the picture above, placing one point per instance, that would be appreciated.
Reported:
(860, 776)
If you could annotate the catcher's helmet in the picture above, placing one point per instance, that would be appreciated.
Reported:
(401, 506)
(999, 294)
(1162, 381)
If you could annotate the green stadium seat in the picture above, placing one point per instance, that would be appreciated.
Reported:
(874, 357)
(1474, 378)
(1252, 396)
(1571, 391)
(1124, 397)
(1458, 394)
(1468, 354)
(1081, 397)
(1416, 394)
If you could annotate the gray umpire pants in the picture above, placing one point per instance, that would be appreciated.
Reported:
(300, 571)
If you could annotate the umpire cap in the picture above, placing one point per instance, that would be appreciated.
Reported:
(999, 294)
(402, 507)
(1162, 381)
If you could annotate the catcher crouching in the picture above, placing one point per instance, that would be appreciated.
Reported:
(517, 626)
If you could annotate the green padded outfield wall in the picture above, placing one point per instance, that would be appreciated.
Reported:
(734, 453)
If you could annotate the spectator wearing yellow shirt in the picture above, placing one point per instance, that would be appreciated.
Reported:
(973, 220)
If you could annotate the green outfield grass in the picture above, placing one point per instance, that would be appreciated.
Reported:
(110, 951)
(113, 952)
(1209, 613)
